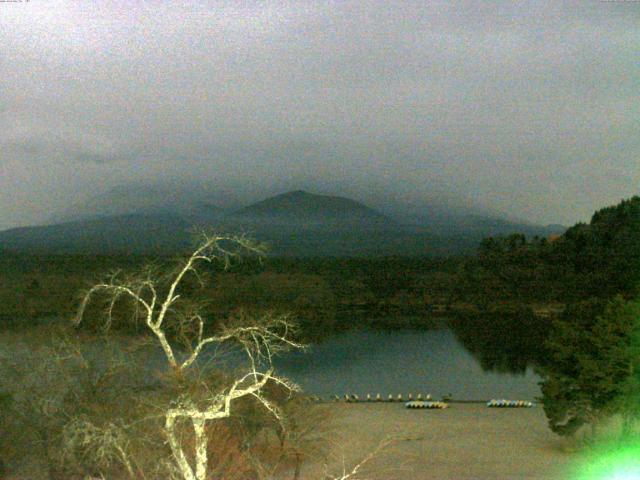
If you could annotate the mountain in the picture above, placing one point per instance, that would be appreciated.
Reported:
(139, 233)
(139, 219)
(300, 207)
(555, 229)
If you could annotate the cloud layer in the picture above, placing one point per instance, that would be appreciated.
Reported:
(529, 108)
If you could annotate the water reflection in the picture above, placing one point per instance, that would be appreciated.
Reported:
(508, 342)
(479, 357)
(407, 361)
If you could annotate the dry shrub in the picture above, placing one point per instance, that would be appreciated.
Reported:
(99, 385)
(98, 447)
(226, 456)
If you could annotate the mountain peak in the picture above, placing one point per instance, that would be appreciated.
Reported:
(299, 206)
(295, 194)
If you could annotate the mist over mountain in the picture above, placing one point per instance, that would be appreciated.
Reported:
(147, 199)
(404, 108)
(162, 218)
(192, 198)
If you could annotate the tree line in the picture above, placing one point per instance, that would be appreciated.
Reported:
(589, 358)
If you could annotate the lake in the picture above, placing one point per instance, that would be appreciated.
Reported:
(377, 361)
(406, 361)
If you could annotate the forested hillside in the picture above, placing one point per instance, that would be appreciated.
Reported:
(598, 259)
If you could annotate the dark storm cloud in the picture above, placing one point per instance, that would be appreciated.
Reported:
(529, 108)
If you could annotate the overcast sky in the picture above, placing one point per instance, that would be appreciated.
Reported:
(527, 108)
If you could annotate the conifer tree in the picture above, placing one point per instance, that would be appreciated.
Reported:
(591, 372)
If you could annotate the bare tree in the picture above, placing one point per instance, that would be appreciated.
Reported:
(158, 301)
(355, 472)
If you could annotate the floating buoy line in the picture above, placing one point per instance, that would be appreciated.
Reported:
(426, 404)
(353, 398)
(502, 403)
(423, 401)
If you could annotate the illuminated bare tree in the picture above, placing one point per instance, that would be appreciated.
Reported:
(157, 301)
(355, 473)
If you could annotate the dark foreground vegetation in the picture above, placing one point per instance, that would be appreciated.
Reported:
(565, 305)
(322, 292)
(79, 402)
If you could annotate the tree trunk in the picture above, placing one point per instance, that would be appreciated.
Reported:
(176, 449)
(296, 472)
(201, 448)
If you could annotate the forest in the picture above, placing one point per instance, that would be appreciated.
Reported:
(589, 261)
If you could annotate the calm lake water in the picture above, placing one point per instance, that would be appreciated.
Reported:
(374, 361)
(408, 361)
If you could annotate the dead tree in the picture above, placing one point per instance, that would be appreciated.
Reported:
(157, 301)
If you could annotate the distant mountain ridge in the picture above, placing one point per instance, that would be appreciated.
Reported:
(135, 233)
(295, 223)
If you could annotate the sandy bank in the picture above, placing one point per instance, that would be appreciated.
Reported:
(465, 441)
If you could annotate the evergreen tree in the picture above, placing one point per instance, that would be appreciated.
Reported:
(592, 364)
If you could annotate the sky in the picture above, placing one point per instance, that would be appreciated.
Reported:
(530, 109)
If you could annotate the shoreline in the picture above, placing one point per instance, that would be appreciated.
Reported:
(463, 442)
